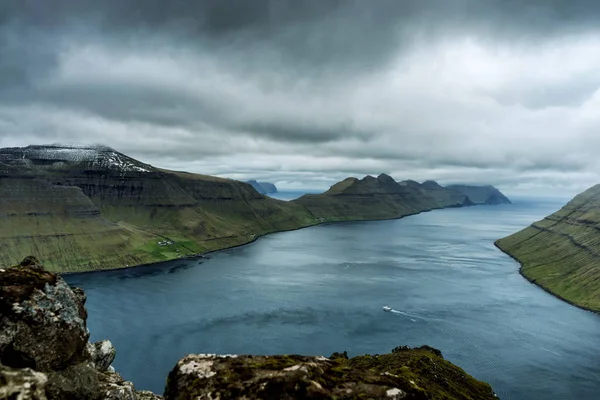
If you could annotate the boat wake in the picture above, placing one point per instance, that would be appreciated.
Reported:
(409, 315)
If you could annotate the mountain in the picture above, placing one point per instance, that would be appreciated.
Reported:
(84, 208)
(444, 196)
(481, 194)
(263, 187)
(378, 198)
(561, 253)
(87, 208)
(268, 187)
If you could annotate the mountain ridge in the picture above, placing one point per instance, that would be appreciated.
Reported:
(92, 207)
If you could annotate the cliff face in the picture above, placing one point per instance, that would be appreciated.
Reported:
(45, 354)
(561, 253)
(379, 198)
(481, 194)
(59, 224)
(263, 187)
(44, 348)
(89, 208)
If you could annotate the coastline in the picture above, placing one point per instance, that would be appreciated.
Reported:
(545, 289)
(254, 239)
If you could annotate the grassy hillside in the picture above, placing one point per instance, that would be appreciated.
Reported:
(377, 198)
(94, 208)
(89, 208)
(561, 253)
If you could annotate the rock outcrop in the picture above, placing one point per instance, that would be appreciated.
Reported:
(45, 355)
(44, 348)
(561, 253)
(22, 384)
(406, 373)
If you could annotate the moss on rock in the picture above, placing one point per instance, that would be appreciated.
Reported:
(420, 373)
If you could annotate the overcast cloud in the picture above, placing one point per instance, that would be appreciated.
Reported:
(304, 93)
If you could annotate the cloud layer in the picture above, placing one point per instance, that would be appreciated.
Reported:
(307, 93)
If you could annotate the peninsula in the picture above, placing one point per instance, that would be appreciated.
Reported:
(91, 208)
(561, 253)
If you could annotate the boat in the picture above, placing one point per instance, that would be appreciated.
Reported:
(387, 309)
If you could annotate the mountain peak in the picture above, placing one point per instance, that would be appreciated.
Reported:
(89, 157)
(385, 178)
(429, 184)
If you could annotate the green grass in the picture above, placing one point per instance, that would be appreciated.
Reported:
(561, 253)
(110, 221)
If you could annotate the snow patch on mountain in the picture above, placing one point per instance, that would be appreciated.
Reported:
(96, 157)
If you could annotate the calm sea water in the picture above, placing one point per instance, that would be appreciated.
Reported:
(321, 289)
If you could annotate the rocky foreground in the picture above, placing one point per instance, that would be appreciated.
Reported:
(45, 354)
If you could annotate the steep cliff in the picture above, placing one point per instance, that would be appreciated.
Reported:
(561, 253)
(268, 187)
(44, 348)
(91, 207)
(45, 355)
(263, 187)
(481, 194)
(86, 208)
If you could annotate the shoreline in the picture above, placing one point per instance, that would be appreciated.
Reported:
(534, 282)
(203, 255)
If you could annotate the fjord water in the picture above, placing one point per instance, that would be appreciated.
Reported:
(322, 289)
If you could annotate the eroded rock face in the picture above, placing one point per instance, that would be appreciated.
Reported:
(42, 319)
(43, 328)
(102, 354)
(22, 384)
(406, 373)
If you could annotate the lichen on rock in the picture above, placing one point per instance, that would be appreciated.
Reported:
(419, 373)
(43, 328)
(101, 354)
(22, 384)
(42, 319)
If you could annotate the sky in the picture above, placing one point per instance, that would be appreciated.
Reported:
(305, 93)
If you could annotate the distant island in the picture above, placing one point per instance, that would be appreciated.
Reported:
(482, 194)
(561, 252)
(90, 208)
(263, 187)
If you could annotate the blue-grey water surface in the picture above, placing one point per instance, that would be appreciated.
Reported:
(321, 289)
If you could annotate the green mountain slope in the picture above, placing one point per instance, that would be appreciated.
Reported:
(90, 208)
(94, 208)
(561, 253)
(377, 198)
(445, 196)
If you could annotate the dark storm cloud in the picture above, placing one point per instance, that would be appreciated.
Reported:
(438, 88)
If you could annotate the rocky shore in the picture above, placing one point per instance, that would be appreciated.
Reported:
(45, 353)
